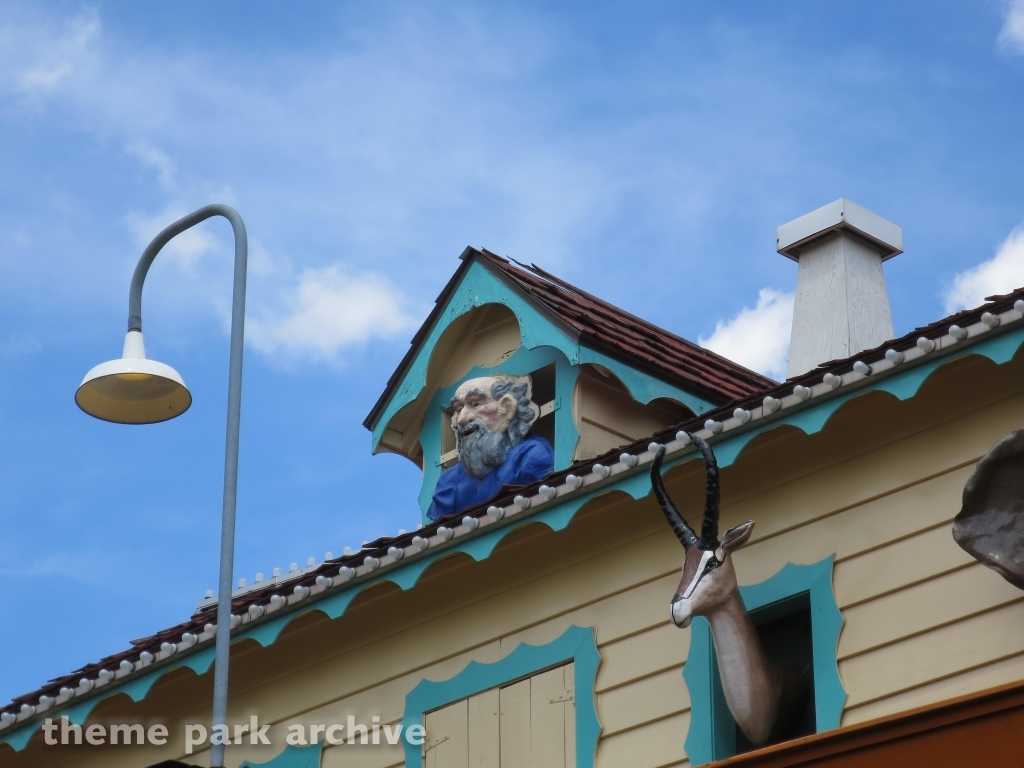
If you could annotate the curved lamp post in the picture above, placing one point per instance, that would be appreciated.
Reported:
(134, 390)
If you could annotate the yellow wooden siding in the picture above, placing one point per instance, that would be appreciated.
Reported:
(922, 622)
(941, 652)
(652, 745)
(606, 415)
(988, 675)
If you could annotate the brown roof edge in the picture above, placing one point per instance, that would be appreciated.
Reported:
(1002, 709)
(704, 350)
(756, 380)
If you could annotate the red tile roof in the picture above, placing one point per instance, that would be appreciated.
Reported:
(603, 326)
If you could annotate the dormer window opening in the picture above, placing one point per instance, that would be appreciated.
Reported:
(543, 383)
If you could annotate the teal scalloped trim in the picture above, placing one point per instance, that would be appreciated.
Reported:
(559, 513)
(575, 644)
(642, 387)
(903, 383)
(711, 734)
(292, 757)
(480, 286)
(136, 690)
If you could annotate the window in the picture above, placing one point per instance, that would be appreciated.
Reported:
(543, 392)
(786, 632)
(798, 620)
(528, 723)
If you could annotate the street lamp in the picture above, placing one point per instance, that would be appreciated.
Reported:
(135, 390)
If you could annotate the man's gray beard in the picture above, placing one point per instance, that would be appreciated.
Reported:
(484, 451)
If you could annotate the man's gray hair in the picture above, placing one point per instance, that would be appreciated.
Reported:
(526, 412)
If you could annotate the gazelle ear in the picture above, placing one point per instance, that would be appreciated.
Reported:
(736, 536)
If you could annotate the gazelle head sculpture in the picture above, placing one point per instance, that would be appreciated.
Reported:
(709, 579)
(763, 696)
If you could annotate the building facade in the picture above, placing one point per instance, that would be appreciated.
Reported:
(534, 629)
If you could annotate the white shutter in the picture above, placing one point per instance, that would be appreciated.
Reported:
(529, 724)
(446, 744)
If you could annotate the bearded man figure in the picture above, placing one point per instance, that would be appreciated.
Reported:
(492, 419)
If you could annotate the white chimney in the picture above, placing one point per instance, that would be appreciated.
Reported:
(841, 306)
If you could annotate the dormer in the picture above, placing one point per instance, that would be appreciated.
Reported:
(601, 377)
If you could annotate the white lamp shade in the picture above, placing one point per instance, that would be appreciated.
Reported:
(133, 390)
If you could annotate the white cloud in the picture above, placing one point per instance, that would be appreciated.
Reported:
(36, 54)
(757, 337)
(156, 159)
(1011, 36)
(307, 315)
(1002, 273)
(325, 311)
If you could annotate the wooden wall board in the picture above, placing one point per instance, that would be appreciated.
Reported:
(899, 564)
(856, 529)
(933, 655)
(652, 745)
(645, 653)
(607, 416)
(645, 701)
(934, 603)
(973, 680)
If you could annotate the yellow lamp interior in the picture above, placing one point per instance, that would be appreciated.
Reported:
(133, 397)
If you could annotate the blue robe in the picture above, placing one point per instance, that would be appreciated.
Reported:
(526, 462)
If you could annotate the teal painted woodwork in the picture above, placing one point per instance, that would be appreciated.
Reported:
(480, 286)
(575, 644)
(136, 689)
(903, 383)
(522, 362)
(292, 757)
(543, 343)
(712, 735)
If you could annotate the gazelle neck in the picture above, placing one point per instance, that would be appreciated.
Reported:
(751, 687)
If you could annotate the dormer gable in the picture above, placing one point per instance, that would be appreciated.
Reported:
(600, 376)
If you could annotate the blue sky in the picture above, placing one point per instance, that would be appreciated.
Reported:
(645, 151)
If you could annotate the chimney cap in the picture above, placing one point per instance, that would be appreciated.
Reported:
(839, 216)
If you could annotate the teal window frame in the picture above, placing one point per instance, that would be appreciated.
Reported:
(712, 728)
(576, 645)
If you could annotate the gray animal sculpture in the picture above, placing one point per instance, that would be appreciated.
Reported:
(990, 525)
(764, 697)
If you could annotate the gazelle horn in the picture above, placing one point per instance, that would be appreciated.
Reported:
(712, 494)
(682, 531)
